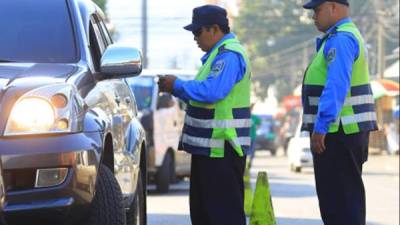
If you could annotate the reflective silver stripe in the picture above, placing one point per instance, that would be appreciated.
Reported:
(310, 118)
(232, 123)
(313, 101)
(237, 142)
(354, 100)
(358, 118)
(359, 100)
(203, 142)
(214, 143)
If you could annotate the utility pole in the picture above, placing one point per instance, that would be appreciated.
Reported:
(144, 33)
(381, 51)
(380, 46)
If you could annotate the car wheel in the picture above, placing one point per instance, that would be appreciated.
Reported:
(165, 174)
(136, 215)
(273, 152)
(107, 207)
(297, 169)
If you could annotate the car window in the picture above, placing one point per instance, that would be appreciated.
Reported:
(182, 105)
(36, 31)
(143, 88)
(96, 42)
(97, 33)
(105, 32)
(165, 101)
(266, 125)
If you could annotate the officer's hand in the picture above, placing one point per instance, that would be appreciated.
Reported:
(166, 83)
(318, 143)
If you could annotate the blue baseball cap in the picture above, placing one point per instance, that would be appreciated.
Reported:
(207, 15)
(314, 3)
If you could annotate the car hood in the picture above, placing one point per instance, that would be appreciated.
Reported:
(12, 73)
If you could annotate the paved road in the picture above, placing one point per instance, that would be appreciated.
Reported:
(293, 195)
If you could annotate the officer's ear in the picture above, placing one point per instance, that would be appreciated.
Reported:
(215, 29)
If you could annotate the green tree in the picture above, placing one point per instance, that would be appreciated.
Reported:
(280, 36)
(267, 26)
(102, 4)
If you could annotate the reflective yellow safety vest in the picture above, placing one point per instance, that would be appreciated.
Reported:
(208, 126)
(358, 111)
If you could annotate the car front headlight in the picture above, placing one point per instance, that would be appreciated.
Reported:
(50, 109)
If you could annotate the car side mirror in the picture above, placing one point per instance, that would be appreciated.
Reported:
(120, 61)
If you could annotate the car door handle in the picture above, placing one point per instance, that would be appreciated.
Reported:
(117, 99)
(128, 100)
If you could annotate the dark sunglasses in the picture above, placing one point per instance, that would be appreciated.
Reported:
(197, 32)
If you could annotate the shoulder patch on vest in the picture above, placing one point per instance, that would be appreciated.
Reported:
(331, 55)
(217, 68)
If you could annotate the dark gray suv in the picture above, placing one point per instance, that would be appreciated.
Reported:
(71, 146)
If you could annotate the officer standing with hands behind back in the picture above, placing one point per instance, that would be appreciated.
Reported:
(217, 123)
(339, 112)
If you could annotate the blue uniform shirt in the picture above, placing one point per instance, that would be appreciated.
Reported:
(227, 69)
(341, 51)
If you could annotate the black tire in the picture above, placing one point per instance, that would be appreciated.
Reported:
(2, 220)
(273, 152)
(136, 215)
(165, 174)
(107, 207)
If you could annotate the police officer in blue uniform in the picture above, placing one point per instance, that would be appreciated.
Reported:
(339, 113)
(216, 182)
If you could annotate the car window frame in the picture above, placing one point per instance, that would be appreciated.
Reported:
(95, 34)
(98, 34)
(106, 34)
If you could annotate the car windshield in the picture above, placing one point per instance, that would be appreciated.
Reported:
(142, 88)
(36, 31)
(266, 126)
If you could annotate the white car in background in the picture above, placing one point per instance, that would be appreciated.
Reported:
(299, 152)
(162, 116)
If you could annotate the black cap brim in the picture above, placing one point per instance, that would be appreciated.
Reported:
(192, 27)
(312, 4)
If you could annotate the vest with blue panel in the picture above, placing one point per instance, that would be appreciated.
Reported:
(208, 127)
(358, 112)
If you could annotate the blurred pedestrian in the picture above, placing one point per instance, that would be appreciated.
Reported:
(339, 112)
(217, 123)
(255, 123)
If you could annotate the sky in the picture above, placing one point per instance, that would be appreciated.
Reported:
(169, 45)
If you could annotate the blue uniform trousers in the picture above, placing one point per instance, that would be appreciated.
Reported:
(338, 178)
(216, 189)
